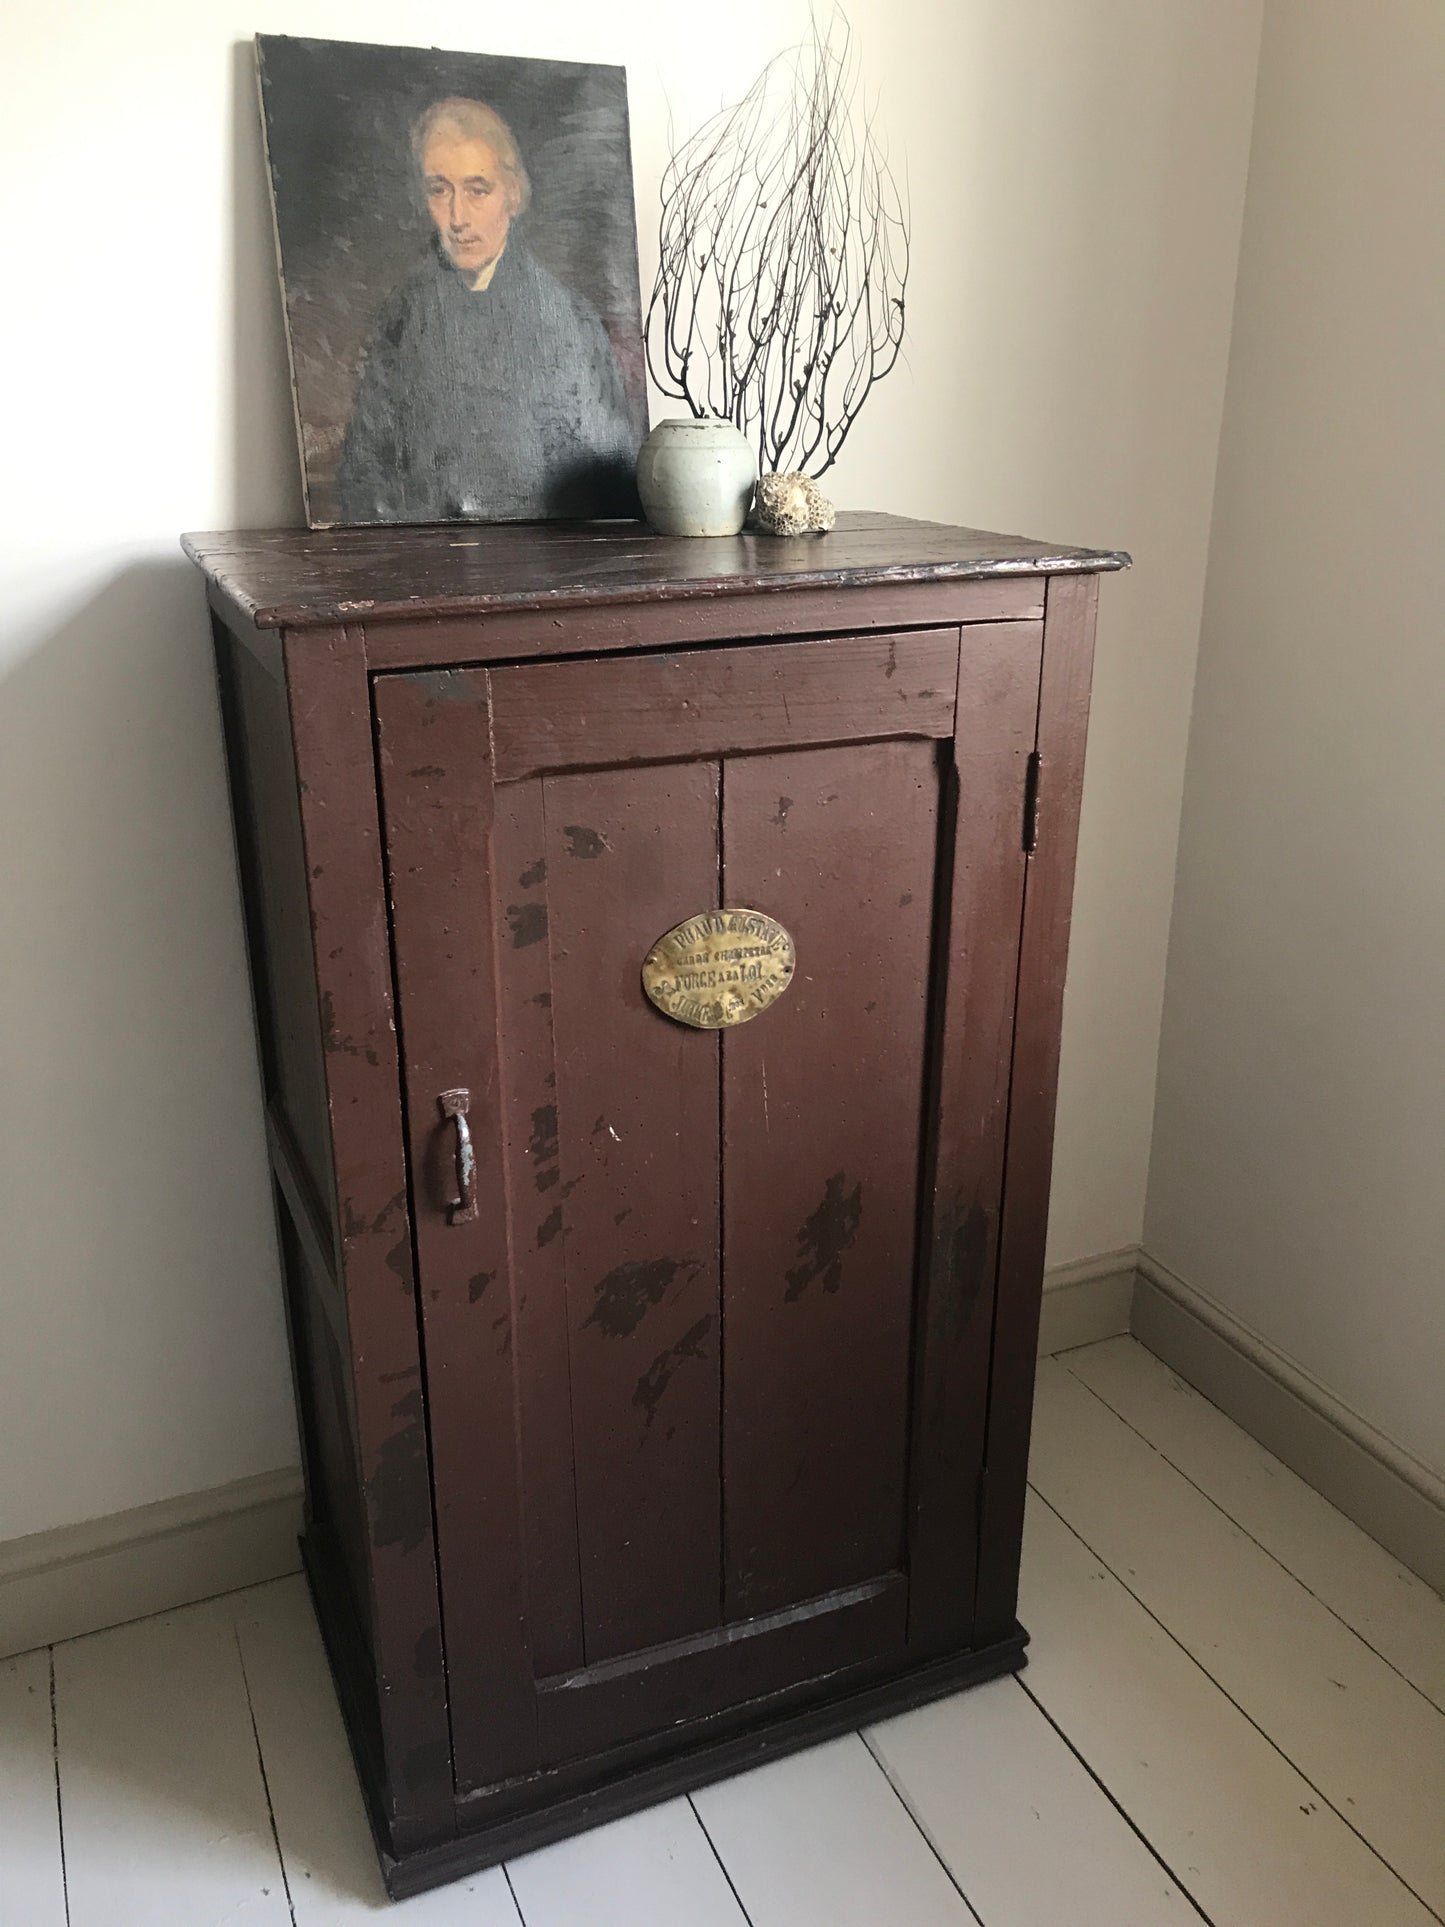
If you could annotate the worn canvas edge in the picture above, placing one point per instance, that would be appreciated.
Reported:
(258, 67)
(79, 1579)
(1388, 1493)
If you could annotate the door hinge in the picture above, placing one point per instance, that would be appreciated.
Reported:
(1031, 803)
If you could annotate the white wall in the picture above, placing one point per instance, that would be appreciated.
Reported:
(1077, 172)
(1299, 1156)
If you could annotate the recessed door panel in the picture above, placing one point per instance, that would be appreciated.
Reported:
(822, 1113)
(706, 1336)
(631, 1135)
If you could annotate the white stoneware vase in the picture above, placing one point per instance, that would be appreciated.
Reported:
(695, 476)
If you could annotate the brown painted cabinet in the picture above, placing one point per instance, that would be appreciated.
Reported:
(664, 1389)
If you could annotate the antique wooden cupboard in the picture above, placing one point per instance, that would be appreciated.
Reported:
(665, 1390)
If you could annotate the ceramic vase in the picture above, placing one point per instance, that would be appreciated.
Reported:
(695, 476)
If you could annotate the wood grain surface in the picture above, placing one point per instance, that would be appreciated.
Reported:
(340, 814)
(1038, 1016)
(508, 634)
(629, 854)
(536, 1301)
(980, 903)
(436, 784)
(723, 702)
(291, 578)
(822, 1109)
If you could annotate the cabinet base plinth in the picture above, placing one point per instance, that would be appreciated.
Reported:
(487, 1842)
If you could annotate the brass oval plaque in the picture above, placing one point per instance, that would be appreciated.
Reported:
(719, 968)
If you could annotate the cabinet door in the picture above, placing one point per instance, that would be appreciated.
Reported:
(707, 1344)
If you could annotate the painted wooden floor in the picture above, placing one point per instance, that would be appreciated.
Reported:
(1233, 1712)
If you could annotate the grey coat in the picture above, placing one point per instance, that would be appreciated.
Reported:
(501, 405)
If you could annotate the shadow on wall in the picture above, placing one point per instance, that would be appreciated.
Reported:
(145, 1354)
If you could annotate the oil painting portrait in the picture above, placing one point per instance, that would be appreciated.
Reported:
(459, 261)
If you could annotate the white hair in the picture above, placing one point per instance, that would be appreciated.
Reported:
(474, 120)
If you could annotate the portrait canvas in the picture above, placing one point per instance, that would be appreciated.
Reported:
(458, 250)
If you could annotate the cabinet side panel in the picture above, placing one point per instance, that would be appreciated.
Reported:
(980, 908)
(278, 915)
(1048, 900)
(823, 1109)
(333, 1497)
(630, 853)
(272, 867)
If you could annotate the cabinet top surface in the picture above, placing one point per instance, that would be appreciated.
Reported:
(297, 578)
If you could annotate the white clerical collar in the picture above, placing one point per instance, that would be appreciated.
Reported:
(482, 279)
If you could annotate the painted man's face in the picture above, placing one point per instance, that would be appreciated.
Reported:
(469, 199)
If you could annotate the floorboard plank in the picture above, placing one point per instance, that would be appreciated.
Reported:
(32, 1886)
(1027, 1833)
(821, 1837)
(652, 1869)
(1237, 1825)
(163, 1805)
(326, 1846)
(1391, 1609)
(1373, 1747)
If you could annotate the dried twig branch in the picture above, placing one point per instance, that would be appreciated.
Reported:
(779, 299)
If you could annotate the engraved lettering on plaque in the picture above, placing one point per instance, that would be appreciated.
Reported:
(719, 968)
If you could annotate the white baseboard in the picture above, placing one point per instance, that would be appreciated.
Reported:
(77, 1579)
(1389, 1494)
(1087, 1301)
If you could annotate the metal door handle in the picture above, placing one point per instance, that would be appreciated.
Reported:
(463, 1207)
